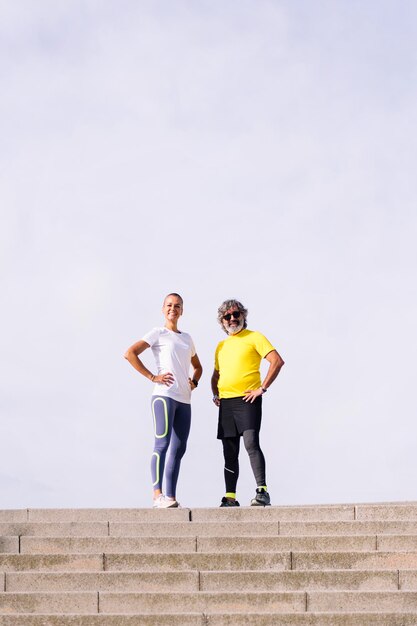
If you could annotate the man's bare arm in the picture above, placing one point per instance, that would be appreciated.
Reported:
(275, 365)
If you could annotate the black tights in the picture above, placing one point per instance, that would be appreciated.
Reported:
(231, 447)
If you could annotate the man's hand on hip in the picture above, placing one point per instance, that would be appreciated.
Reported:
(250, 396)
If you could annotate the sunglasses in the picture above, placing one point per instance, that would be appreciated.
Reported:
(235, 315)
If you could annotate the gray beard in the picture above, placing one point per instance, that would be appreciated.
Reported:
(235, 329)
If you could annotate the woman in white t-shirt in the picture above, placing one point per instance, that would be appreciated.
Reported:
(174, 354)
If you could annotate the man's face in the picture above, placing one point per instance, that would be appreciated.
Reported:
(172, 308)
(233, 321)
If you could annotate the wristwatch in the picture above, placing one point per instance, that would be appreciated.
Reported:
(195, 382)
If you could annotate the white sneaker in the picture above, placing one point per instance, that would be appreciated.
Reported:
(162, 502)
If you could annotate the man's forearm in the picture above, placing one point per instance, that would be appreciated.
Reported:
(214, 383)
(275, 365)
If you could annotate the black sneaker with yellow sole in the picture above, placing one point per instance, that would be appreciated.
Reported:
(229, 502)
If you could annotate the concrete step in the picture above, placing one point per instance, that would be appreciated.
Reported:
(298, 581)
(107, 515)
(9, 545)
(13, 515)
(310, 619)
(54, 529)
(131, 603)
(328, 564)
(258, 602)
(292, 529)
(81, 603)
(279, 544)
(397, 543)
(80, 545)
(282, 619)
(51, 562)
(354, 560)
(394, 512)
(102, 581)
(207, 602)
(408, 580)
(179, 619)
(219, 619)
(70, 602)
(96, 545)
(275, 560)
(281, 513)
(226, 528)
(361, 512)
(182, 561)
(378, 512)
(354, 601)
(209, 581)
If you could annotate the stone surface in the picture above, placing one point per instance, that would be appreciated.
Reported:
(347, 528)
(108, 515)
(299, 581)
(13, 515)
(361, 601)
(354, 560)
(103, 581)
(227, 528)
(310, 619)
(197, 561)
(51, 562)
(9, 545)
(387, 512)
(48, 603)
(408, 580)
(281, 544)
(179, 619)
(203, 601)
(397, 543)
(353, 565)
(95, 545)
(282, 513)
(66, 529)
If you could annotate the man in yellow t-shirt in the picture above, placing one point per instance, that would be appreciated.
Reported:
(237, 391)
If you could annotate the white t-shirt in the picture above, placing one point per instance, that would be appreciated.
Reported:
(172, 352)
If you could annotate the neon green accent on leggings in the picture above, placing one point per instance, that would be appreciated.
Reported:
(231, 495)
(165, 414)
(158, 458)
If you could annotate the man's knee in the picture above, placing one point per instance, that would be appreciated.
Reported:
(230, 449)
(251, 440)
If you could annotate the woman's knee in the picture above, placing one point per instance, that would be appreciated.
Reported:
(161, 446)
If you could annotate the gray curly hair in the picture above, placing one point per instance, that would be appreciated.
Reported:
(228, 304)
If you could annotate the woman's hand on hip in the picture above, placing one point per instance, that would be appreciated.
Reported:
(164, 379)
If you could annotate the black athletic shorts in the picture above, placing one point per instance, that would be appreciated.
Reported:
(236, 415)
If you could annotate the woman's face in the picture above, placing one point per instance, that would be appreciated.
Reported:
(172, 308)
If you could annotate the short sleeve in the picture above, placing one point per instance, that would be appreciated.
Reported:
(152, 336)
(216, 358)
(193, 350)
(262, 345)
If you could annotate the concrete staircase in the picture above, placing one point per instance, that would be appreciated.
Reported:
(331, 565)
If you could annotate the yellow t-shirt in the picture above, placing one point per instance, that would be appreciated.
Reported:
(238, 360)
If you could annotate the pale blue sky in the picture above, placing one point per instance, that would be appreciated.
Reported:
(260, 150)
